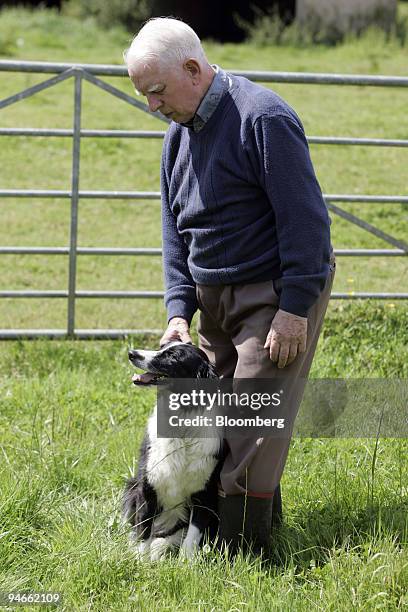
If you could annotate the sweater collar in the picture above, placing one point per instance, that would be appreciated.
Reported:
(220, 84)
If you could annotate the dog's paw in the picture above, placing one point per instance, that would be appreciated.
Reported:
(189, 550)
(158, 549)
(141, 549)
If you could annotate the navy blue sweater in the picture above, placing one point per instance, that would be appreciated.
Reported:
(241, 203)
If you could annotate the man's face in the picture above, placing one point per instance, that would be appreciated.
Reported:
(172, 90)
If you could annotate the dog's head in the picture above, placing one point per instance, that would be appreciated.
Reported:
(175, 360)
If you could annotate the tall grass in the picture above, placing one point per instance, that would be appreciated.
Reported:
(71, 424)
(70, 421)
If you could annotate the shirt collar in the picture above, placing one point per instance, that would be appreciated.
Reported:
(220, 83)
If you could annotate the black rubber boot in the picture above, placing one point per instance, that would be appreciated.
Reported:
(277, 514)
(245, 522)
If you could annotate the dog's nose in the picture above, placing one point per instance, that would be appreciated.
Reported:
(134, 355)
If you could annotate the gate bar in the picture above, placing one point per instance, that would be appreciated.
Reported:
(155, 195)
(61, 133)
(160, 295)
(316, 78)
(76, 143)
(30, 250)
(81, 294)
(368, 227)
(80, 334)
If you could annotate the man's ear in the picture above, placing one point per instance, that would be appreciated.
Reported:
(193, 68)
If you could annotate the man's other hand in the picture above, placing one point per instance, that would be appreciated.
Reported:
(178, 329)
(286, 338)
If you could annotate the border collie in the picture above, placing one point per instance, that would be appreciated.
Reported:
(173, 499)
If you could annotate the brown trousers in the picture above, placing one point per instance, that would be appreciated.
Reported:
(233, 325)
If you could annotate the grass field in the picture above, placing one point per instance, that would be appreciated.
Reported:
(70, 421)
(133, 165)
(71, 424)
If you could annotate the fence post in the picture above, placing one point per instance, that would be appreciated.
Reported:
(76, 140)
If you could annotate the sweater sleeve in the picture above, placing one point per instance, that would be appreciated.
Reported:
(281, 156)
(180, 295)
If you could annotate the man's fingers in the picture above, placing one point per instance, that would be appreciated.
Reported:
(274, 349)
(283, 355)
(286, 338)
(282, 352)
(165, 339)
(293, 351)
(170, 335)
(175, 334)
(289, 336)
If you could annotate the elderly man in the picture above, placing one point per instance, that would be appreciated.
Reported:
(246, 241)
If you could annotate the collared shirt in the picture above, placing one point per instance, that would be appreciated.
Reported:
(209, 103)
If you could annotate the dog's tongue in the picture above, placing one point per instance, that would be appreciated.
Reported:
(144, 378)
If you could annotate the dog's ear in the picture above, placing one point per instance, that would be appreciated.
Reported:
(207, 370)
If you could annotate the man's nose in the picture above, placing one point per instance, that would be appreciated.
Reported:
(153, 102)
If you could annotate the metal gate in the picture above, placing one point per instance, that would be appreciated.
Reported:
(89, 72)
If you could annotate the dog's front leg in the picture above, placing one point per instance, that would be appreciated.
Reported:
(203, 515)
(192, 541)
(160, 546)
(142, 549)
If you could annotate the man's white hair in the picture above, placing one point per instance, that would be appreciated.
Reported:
(166, 39)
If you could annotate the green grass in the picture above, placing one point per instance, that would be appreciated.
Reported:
(111, 164)
(70, 421)
(71, 424)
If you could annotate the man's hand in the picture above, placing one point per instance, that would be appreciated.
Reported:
(178, 329)
(286, 338)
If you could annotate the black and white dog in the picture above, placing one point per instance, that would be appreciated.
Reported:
(173, 499)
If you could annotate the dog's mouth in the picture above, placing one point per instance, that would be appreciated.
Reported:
(147, 378)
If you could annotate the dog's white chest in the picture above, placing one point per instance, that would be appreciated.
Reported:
(178, 467)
